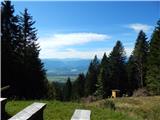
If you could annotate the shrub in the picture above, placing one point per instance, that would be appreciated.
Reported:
(141, 92)
(89, 99)
(109, 104)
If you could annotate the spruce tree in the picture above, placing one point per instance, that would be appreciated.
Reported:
(132, 75)
(117, 73)
(9, 34)
(100, 92)
(153, 73)
(104, 61)
(103, 86)
(91, 77)
(58, 90)
(21, 67)
(33, 77)
(78, 86)
(67, 90)
(140, 57)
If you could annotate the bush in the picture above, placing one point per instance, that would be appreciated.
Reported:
(109, 104)
(89, 99)
(141, 92)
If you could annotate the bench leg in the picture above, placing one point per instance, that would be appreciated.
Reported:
(3, 103)
(38, 116)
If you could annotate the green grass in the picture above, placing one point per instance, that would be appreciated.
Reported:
(147, 108)
(143, 108)
(126, 109)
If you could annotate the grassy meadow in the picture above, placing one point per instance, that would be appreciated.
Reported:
(131, 108)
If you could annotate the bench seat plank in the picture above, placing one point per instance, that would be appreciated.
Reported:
(81, 115)
(28, 112)
(3, 99)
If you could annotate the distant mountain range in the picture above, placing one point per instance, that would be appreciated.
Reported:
(65, 67)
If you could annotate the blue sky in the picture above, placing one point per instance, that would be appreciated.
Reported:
(83, 29)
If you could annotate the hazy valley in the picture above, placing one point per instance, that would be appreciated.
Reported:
(60, 69)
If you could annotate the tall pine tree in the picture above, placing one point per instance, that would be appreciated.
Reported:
(21, 67)
(132, 75)
(117, 71)
(103, 85)
(33, 81)
(140, 58)
(100, 91)
(78, 86)
(153, 73)
(9, 34)
(67, 91)
(91, 77)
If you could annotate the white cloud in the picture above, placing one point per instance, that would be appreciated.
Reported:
(137, 27)
(61, 40)
(60, 46)
(51, 46)
(72, 53)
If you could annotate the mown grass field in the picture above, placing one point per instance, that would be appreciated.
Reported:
(140, 108)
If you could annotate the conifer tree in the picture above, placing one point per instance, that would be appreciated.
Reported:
(78, 86)
(103, 78)
(32, 76)
(92, 76)
(21, 67)
(117, 73)
(140, 57)
(153, 73)
(58, 90)
(100, 92)
(67, 90)
(104, 61)
(132, 75)
(9, 34)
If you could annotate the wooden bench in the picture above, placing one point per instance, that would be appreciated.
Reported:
(32, 112)
(81, 115)
(3, 103)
